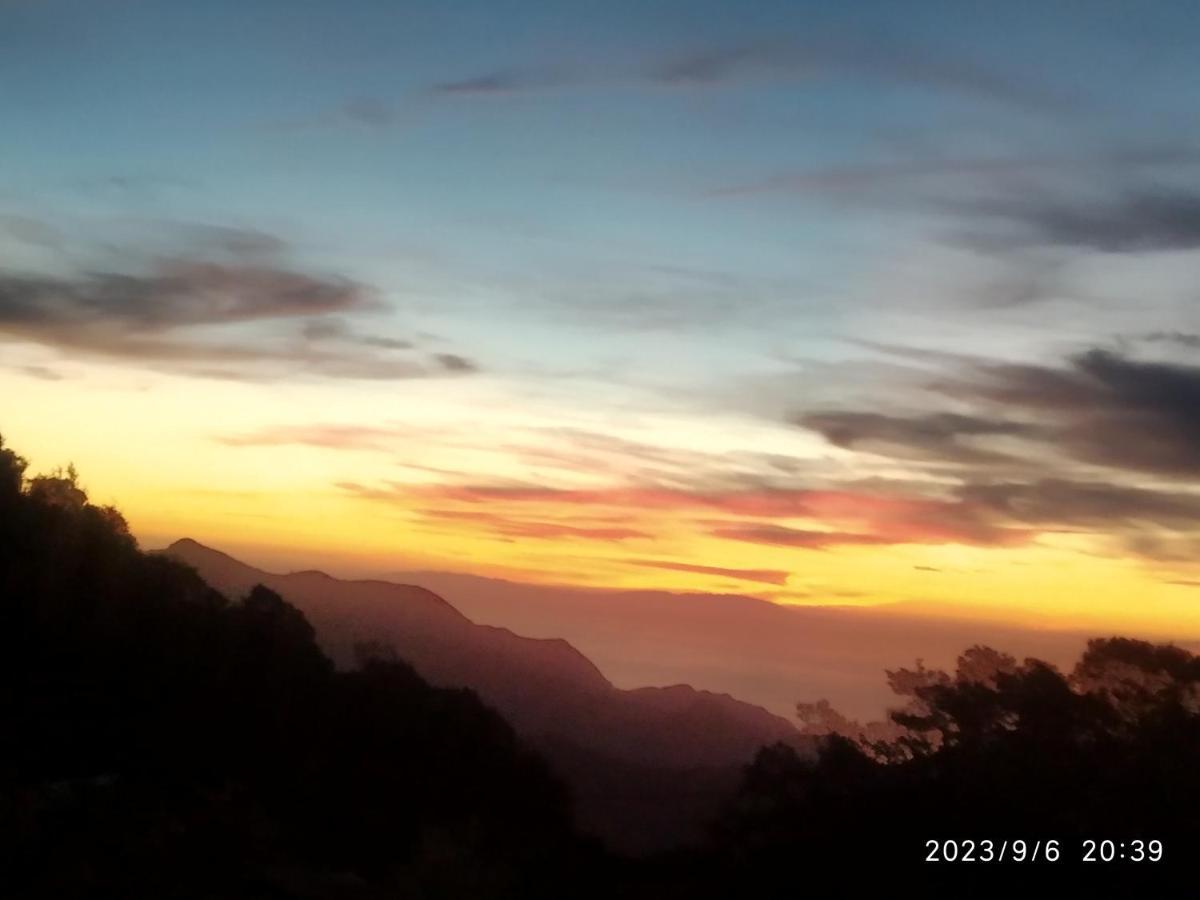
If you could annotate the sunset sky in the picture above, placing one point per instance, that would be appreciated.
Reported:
(871, 303)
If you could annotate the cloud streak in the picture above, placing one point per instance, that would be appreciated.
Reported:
(763, 576)
(1130, 221)
(214, 319)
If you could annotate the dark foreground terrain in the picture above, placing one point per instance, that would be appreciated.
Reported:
(160, 740)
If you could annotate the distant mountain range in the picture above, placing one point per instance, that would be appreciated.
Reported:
(660, 755)
(768, 654)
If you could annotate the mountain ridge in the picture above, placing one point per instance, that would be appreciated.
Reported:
(546, 686)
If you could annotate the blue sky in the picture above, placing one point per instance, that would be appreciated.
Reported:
(517, 156)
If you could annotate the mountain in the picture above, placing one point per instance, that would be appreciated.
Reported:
(685, 742)
(765, 653)
(162, 741)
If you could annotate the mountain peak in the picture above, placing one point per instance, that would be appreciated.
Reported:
(189, 545)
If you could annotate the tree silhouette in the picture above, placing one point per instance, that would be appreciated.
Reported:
(161, 741)
(996, 750)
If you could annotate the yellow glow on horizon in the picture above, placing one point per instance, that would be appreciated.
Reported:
(152, 446)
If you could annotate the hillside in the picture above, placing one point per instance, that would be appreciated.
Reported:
(545, 687)
(160, 740)
(688, 743)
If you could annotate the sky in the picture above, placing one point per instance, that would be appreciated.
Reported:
(869, 303)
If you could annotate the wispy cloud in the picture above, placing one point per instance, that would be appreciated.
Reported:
(782, 536)
(1104, 408)
(869, 175)
(1100, 408)
(336, 437)
(1131, 221)
(537, 529)
(215, 319)
(873, 517)
(1063, 427)
(778, 59)
(934, 436)
(507, 82)
(763, 576)
(883, 61)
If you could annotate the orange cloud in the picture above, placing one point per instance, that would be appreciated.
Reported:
(861, 517)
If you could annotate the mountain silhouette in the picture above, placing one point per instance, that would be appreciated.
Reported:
(678, 749)
(765, 653)
(161, 740)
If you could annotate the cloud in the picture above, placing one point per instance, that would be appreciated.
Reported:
(177, 294)
(42, 372)
(859, 176)
(452, 362)
(780, 536)
(713, 65)
(206, 318)
(30, 231)
(867, 517)
(334, 437)
(934, 436)
(1053, 501)
(536, 529)
(764, 576)
(1131, 221)
(1180, 338)
(504, 82)
(1100, 408)
(785, 59)
(884, 62)
(339, 330)
(1108, 409)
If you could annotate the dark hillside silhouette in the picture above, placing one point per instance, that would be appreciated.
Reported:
(159, 740)
(677, 749)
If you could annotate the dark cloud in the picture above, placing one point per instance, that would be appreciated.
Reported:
(1132, 221)
(203, 318)
(1179, 338)
(1109, 409)
(340, 330)
(452, 362)
(1101, 407)
(502, 82)
(1139, 419)
(1089, 504)
(935, 436)
(178, 294)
